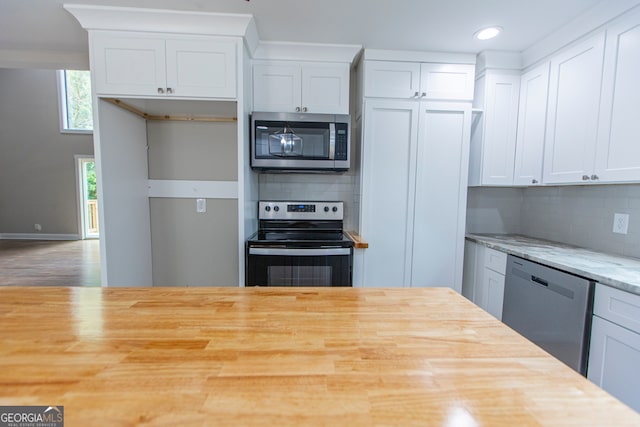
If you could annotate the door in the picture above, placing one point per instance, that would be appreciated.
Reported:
(388, 188)
(87, 194)
(574, 103)
(532, 118)
(127, 65)
(276, 87)
(440, 195)
(201, 68)
(618, 153)
(614, 358)
(325, 88)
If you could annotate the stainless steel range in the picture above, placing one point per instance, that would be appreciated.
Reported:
(299, 244)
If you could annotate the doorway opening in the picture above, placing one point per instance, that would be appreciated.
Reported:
(87, 195)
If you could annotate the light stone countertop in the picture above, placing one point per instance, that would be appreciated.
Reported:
(613, 270)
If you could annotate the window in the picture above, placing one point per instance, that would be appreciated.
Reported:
(74, 91)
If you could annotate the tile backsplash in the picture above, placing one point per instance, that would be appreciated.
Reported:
(314, 187)
(578, 215)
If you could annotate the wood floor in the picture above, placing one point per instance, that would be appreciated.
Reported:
(49, 263)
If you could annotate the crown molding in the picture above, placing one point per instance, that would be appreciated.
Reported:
(160, 20)
(306, 52)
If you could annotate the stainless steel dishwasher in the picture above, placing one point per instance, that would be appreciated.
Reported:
(550, 307)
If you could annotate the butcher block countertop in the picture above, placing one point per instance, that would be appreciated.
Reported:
(283, 357)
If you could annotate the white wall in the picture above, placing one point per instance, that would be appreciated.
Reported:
(494, 210)
(583, 216)
(37, 168)
(316, 187)
(578, 215)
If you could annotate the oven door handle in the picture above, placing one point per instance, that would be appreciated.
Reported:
(299, 251)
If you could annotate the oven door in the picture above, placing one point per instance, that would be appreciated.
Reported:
(299, 266)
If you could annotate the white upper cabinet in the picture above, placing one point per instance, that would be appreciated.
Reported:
(532, 119)
(493, 140)
(308, 87)
(574, 103)
(153, 65)
(390, 79)
(201, 68)
(618, 149)
(447, 81)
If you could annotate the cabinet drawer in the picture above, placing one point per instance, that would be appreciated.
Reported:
(495, 260)
(620, 307)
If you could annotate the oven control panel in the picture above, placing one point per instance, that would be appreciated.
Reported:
(301, 210)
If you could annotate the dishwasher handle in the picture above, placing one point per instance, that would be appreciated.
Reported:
(539, 280)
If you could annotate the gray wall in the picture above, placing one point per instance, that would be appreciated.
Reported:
(578, 215)
(190, 248)
(37, 169)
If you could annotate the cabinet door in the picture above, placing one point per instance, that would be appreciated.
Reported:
(574, 102)
(203, 68)
(500, 125)
(325, 88)
(532, 119)
(276, 87)
(125, 65)
(391, 79)
(388, 187)
(493, 288)
(447, 81)
(469, 275)
(441, 194)
(614, 357)
(618, 153)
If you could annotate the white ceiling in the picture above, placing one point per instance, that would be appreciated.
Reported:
(431, 25)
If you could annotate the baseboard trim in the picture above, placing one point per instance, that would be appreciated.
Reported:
(38, 236)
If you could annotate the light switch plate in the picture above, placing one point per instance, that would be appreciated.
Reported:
(201, 205)
(620, 223)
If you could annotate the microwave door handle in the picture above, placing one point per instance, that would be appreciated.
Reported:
(332, 141)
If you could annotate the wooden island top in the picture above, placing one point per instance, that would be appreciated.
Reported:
(283, 357)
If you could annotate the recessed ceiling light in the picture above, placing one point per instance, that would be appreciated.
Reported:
(487, 33)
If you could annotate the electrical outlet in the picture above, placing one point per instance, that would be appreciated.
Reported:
(37, 227)
(620, 223)
(201, 205)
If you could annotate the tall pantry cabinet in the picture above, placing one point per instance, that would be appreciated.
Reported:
(414, 160)
(170, 113)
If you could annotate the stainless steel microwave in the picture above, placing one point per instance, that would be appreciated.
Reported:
(290, 141)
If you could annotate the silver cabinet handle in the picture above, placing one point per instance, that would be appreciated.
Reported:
(595, 177)
(585, 177)
(424, 94)
(297, 109)
(304, 109)
(417, 94)
(534, 181)
(169, 90)
(160, 90)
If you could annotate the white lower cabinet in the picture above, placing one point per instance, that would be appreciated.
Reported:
(614, 354)
(484, 277)
(414, 172)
